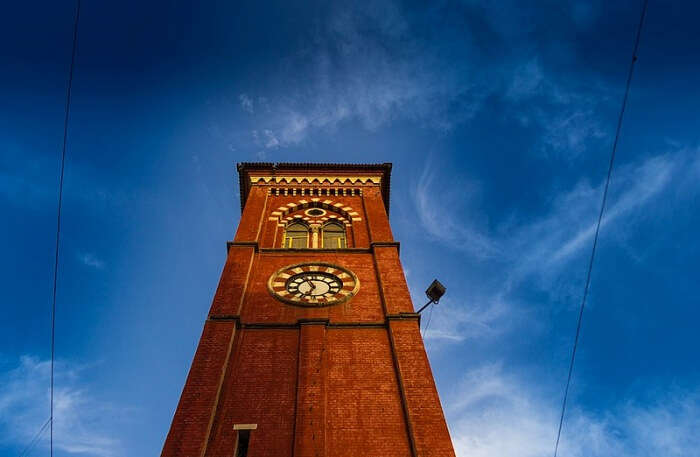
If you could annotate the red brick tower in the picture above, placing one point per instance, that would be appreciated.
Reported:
(311, 346)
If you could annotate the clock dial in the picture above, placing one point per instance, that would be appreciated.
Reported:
(316, 284)
(313, 284)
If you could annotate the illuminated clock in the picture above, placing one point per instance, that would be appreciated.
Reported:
(313, 284)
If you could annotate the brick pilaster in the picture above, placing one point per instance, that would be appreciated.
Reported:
(377, 219)
(252, 218)
(234, 281)
(194, 415)
(392, 282)
(310, 429)
(427, 426)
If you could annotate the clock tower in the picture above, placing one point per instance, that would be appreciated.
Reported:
(311, 347)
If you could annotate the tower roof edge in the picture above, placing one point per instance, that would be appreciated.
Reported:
(244, 169)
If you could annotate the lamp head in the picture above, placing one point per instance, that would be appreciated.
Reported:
(435, 291)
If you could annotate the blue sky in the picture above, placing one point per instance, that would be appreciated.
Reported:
(498, 117)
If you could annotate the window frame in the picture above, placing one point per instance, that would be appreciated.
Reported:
(288, 241)
(342, 230)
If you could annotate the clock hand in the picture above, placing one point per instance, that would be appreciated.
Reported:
(313, 286)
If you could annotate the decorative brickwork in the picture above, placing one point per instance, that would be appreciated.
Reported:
(345, 214)
(348, 379)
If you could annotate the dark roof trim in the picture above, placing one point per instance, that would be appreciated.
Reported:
(245, 167)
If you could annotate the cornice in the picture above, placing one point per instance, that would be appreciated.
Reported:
(236, 319)
(242, 244)
(314, 166)
(314, 174)
(285, 251)
(386, 244)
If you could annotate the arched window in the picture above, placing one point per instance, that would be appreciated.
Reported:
(296, 236)
(334, 236)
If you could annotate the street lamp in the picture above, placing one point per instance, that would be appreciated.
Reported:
(434, 291)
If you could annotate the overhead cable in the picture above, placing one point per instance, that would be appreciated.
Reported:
(58, 217)
(630, 72)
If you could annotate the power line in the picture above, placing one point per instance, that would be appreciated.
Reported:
(58, 214)
(600, 218)
(427, 324)
(25, 452)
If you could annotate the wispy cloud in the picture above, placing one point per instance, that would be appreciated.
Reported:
(544, 244)
(493, 414)
(91, 260)
(455, 321)
(265, 139)
(366, 64)
(521, 250)
(567, 111)
(246, 103)
(373, 63)
(80, 420)
(441, 208)
(547, 244)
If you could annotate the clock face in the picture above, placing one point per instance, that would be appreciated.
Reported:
(313, 284)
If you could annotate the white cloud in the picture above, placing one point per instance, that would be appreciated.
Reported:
(456, 321)
(493, 414)
(373, 63)
(270, 140)
(265, 139)
(441, 211)
(91, 260)
(566, 111)
(544, 245)
(541, 249)
(246, 103)
(373, 78)
(80, 421)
